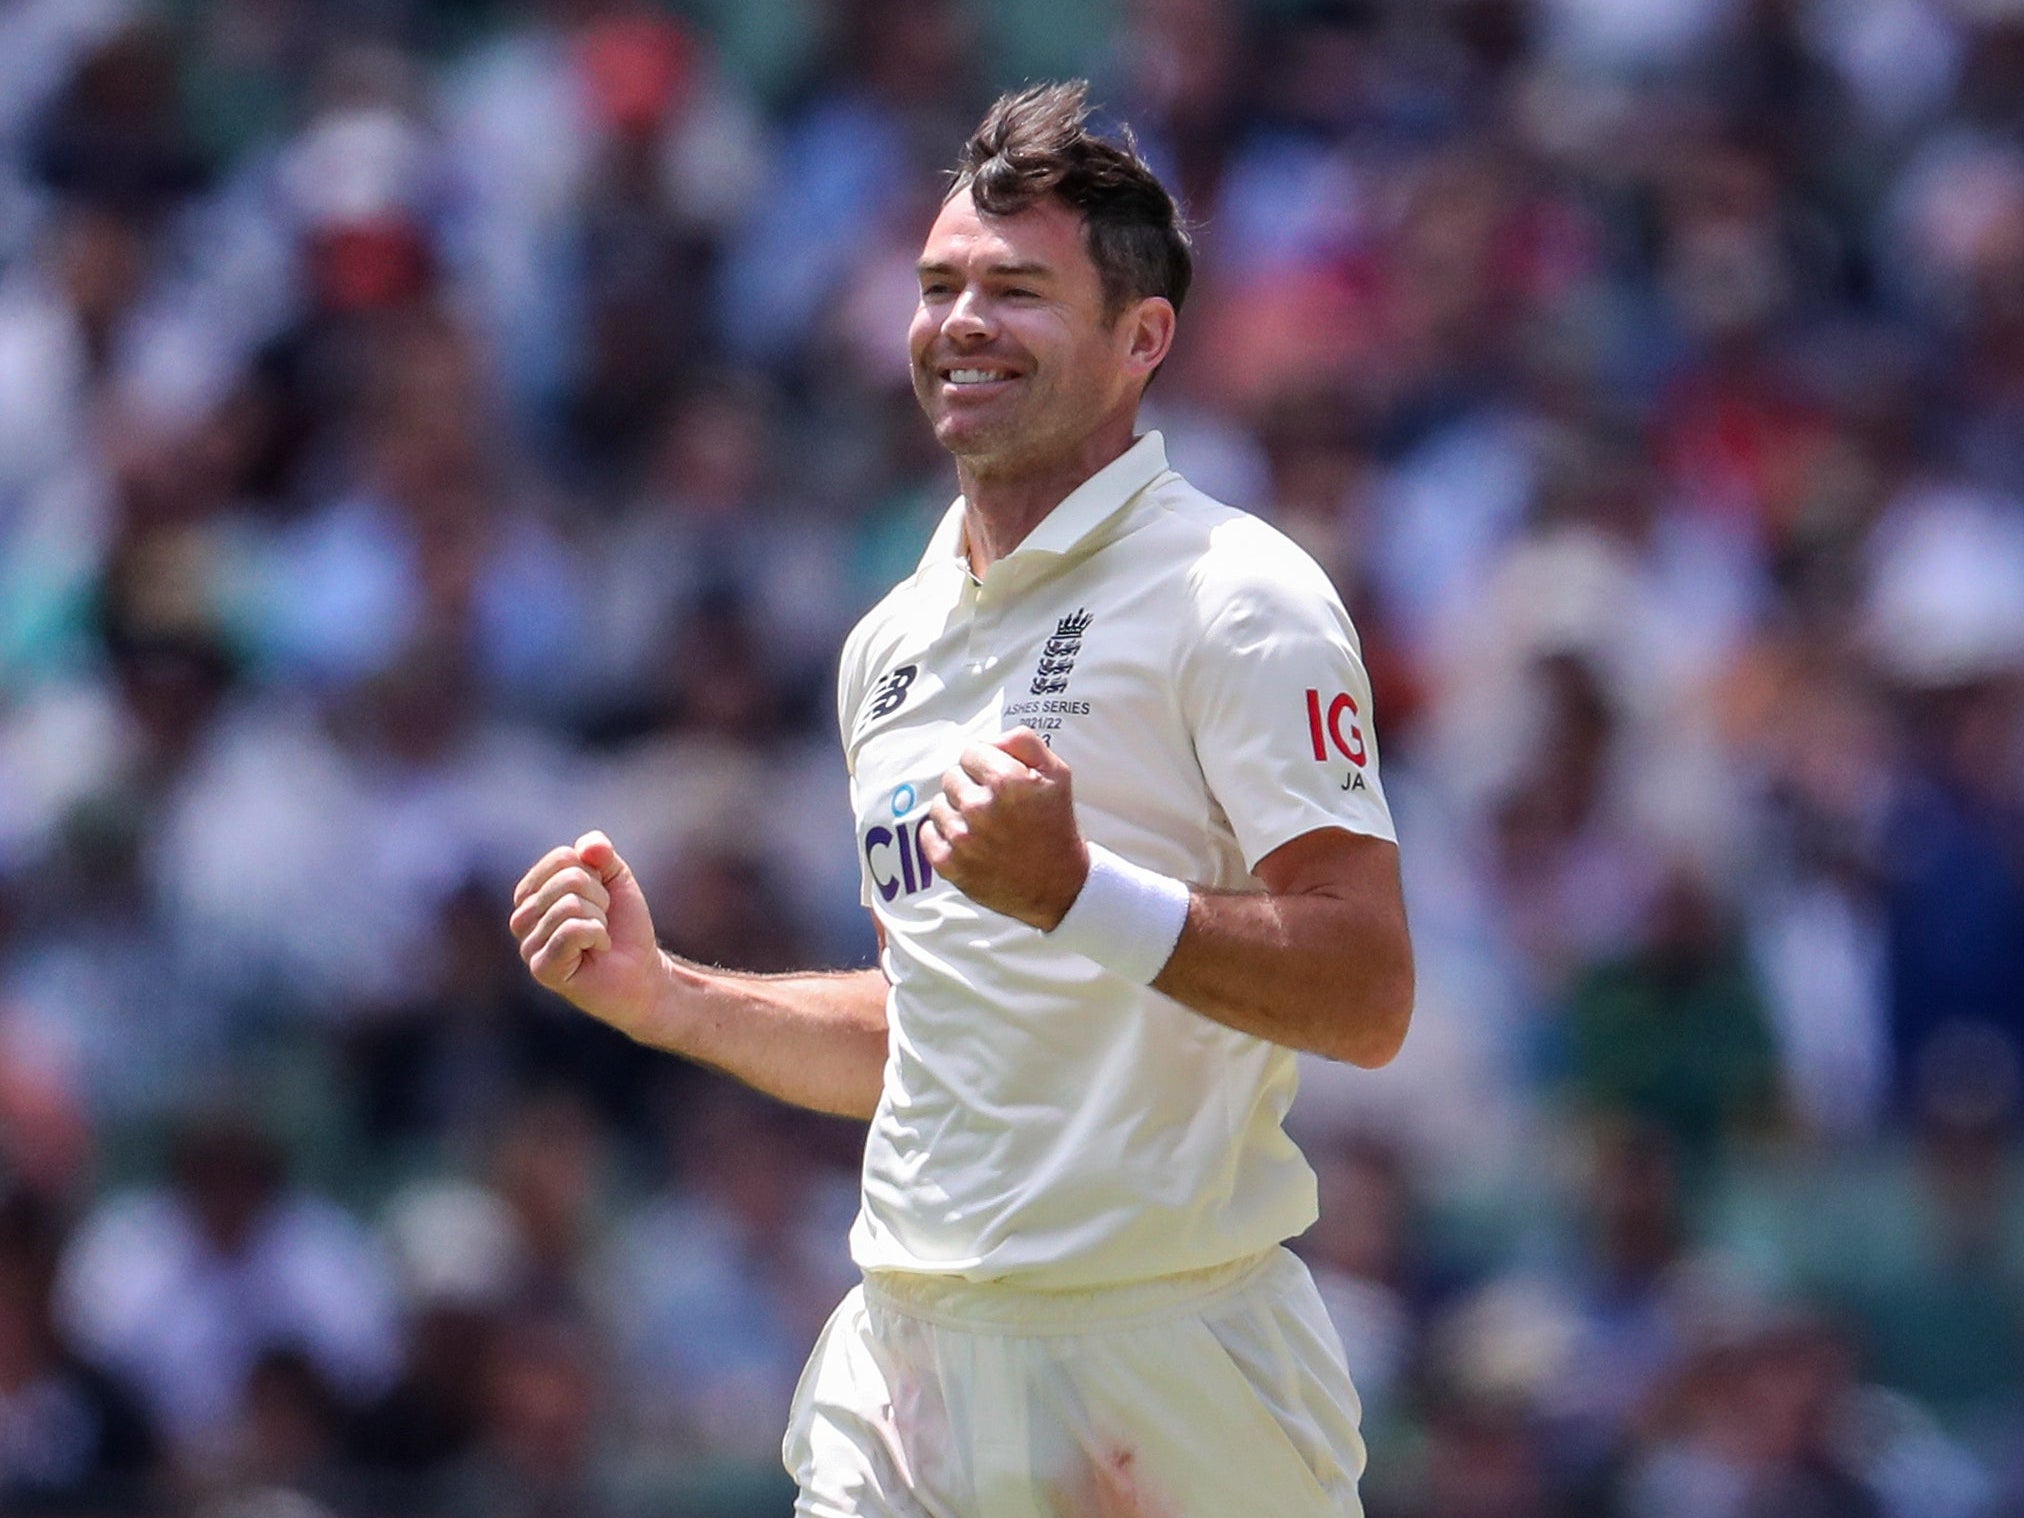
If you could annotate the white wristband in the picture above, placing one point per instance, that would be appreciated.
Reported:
(1127, 918)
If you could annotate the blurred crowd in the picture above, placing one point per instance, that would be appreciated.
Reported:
(430, 428)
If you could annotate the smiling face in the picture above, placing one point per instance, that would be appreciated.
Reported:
(1016, 362)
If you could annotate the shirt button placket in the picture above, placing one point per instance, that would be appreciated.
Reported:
(982, 649)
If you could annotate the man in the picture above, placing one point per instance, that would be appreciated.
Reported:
(1104, 931)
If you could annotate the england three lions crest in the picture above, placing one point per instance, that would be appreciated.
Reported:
(1057, 659)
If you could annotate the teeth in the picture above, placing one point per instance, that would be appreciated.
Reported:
(973, 376)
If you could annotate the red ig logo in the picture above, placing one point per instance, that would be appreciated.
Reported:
(1329, 730)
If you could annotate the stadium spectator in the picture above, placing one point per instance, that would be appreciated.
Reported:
(71, 1436)
(184, 1287)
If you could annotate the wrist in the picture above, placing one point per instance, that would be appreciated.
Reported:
(1125, 917)
(1085, 864)
(674, 1008)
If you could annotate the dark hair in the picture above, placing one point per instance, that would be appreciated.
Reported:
(1037, 142)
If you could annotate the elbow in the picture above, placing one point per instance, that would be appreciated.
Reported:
(1374, 1028)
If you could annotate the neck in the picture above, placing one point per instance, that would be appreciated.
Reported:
(1002, 506)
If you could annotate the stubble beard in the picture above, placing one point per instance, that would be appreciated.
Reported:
(1025, 439)
(979, 445)
(985, 452)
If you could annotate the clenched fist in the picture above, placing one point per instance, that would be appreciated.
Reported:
(586, 934)
(1003, 830)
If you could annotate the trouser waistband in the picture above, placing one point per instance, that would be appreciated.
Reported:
(996, 1305)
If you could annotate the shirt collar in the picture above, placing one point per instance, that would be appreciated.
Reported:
(1092, 503)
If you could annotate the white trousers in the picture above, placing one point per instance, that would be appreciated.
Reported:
(1218, 1394)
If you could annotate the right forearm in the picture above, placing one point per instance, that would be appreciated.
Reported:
(816, 1040)
(586, 934)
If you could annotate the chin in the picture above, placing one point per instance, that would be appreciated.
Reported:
(968, 441)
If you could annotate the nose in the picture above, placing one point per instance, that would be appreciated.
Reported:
(968, 319)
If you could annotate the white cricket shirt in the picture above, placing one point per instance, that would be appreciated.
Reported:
(1044, 1121)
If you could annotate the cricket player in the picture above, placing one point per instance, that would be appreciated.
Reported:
(1121, 830)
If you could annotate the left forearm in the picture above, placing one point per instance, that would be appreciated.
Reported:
(1313, 972)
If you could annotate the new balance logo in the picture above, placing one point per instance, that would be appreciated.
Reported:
(1057, 659)
(891, 694)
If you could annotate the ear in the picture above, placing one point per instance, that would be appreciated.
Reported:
(1149, 333)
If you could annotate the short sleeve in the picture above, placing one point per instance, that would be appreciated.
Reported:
(849, 696)
(850, 690)
(1278, 702)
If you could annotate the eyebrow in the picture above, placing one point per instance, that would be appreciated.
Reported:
(1002, 271)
